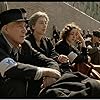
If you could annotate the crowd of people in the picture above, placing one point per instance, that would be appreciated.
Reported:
(32, 67)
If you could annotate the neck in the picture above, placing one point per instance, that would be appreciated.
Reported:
(37, 36)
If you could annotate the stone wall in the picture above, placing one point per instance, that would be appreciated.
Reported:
(90, 8)
(3, 6)
(59, 13)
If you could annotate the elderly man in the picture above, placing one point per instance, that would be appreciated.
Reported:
(16, 55)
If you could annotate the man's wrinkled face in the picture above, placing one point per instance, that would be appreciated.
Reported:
(16, 32)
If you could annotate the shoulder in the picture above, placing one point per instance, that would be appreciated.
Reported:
(61, 45)
(2, 40)
(60, 42)
(3, 43)
(27, 44)
(4, 48)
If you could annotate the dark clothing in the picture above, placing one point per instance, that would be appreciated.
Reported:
(13, 88)
(46, 46)
(56, 35)
(62, 47)
(72, 85)
(94, 53)
(23, 70)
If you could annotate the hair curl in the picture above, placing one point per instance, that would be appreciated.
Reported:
(67, 29)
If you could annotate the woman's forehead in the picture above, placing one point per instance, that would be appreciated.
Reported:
(42, 18)
(74, 30)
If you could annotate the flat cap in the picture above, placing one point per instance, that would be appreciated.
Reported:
(11, 15)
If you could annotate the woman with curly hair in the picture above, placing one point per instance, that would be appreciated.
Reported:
(71, 39)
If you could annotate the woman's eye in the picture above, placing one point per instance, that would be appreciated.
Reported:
(72, 33)
(43, 22)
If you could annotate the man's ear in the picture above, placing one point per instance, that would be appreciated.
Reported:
(5, 29)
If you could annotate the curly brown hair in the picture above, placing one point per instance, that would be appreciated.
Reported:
(67, 29)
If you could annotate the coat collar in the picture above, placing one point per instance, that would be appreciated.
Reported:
(10, 47)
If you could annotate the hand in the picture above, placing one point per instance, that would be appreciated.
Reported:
(48, 72)
(47, 81)
(81, 39)
(63, 59)
(79, 36)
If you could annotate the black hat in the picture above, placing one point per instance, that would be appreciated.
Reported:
(23, 10)
(96, 33)
(11, 16)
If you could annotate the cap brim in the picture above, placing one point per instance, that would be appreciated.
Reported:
(22, 20)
